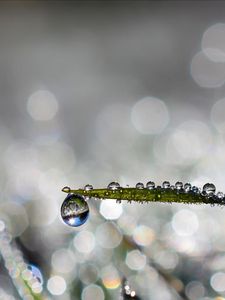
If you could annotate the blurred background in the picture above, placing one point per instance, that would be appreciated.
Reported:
(94, 92)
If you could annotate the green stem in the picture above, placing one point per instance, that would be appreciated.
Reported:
(145, 195)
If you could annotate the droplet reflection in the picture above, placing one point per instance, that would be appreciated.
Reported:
(74, 210)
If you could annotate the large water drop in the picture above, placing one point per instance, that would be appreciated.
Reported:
(74, 210)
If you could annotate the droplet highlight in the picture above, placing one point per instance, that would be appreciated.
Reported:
(74, 210)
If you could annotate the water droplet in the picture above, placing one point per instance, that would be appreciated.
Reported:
(209, 189)
(66, 189)
(74, 210)
(220, 195)
(179, 185)
(166, 184)
(140, 185)
(195, 189)
(88, 187)
(150, 185)
(113, 186)
(187, 187)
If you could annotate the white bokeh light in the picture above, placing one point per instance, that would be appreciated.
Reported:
(213, 42)
(218, 115)
(63, 261)
(185, 222)
(91, 292)
(108, 235)
(110, 209)
(135, 260)
(217, 282)
(150, 115)
(56, 285)
(42, 105)
(207, 73)
(84, 241)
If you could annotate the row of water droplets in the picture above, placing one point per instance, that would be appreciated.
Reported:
(208, 189)
(75, 210)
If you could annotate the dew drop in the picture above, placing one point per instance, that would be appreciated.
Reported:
(179, 185)
(74, 210)
(140, 186)
(166, 184)
(220, 195)
(113, 186)
(150, 185)
(195, 189)
(66, 189)
(187, 187)
(209, 189)
(88, 187)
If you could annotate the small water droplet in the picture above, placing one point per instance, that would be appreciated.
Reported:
(187, 187)
(220, 195)
(166, 184)
(140, 186)
(150, 185)
(195, 189)
(209, 189)
(74, 210)
(113, 186)
(66, 189)
(179, 185)
(88, 187)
